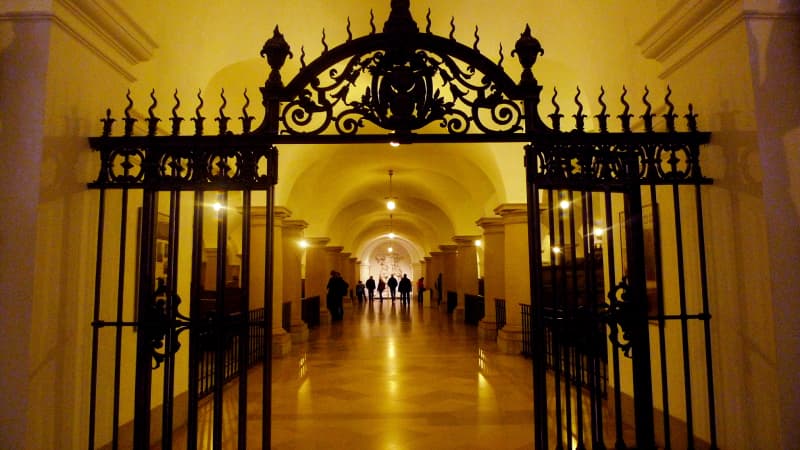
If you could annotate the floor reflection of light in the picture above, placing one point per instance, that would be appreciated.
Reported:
(391, 367)
(482, 366)
(303, 366)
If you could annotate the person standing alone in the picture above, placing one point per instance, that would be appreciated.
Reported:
(392, 283)
(371, 288)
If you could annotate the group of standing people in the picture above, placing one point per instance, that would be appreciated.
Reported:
(403, 287)
(338, 289)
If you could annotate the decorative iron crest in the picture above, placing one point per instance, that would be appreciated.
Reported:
(400, 94)
(164, 322)
(620, 315)
(181, 166)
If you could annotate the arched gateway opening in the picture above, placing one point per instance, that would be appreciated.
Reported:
(617, 324)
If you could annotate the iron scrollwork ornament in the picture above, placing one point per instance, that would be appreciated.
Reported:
(620, 315)
(402, 96)
(164, 322)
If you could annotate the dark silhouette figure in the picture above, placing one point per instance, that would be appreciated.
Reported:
(404, 286)
(337, 289)
(439, 288)
(381, 287)
(420, 288)
(371, 288)
(360, 291)
(392, 283)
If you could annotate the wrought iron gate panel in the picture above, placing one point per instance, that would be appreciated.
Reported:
(635, 210)
(142, 310)
(596, 305)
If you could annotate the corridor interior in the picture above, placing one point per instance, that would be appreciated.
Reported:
(392, 377)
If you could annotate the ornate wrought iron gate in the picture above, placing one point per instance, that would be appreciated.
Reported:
(177, 199)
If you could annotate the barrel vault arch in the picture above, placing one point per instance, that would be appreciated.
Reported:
(592, 301)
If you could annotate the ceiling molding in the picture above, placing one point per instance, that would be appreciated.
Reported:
(101, 27)
(108, 21)
(686, 29)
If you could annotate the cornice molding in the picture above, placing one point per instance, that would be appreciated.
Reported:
(102, 27)
(116, 27)
(691, 26)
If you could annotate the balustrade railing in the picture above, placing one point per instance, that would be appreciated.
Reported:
(230, 360)
(500, 313)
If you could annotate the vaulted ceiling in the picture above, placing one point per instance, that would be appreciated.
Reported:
(442, 189)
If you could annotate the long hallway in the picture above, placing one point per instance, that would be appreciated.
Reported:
(392, 377)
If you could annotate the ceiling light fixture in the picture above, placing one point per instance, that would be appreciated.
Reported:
(390, 200)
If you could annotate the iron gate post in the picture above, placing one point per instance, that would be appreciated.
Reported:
(639, 334)
(144, 370)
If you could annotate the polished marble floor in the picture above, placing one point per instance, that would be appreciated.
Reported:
(393, 377)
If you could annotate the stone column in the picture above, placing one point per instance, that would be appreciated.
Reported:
(517, 274)
(281, 339)
(493, 273)
(292, 263)
(449, 261)
(437, 266)
(466, 271)
(317, 273)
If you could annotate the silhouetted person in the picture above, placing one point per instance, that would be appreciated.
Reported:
(381, 287)
(371, 288)
(420, 288)
(337, 289)
(439, 288)
(392, 283)
(404, 286)
(360, 291)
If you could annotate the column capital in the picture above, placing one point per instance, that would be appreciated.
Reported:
(428, 259)
(506, 209)
(448, 248)
(465, 241)
(317, 242)
(334, 249)
(490, 224)
(281, 212)
(295, 224)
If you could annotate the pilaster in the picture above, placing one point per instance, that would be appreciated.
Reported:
(493, 273)
(466, 271)
(292, 273)
(317, 273)
(517, 274)
(449, 261)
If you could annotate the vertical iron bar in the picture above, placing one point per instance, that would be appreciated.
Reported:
(701, 244)
(220, 322)
(620, 439)
(570, 348)
(662, 338)
(195, 354)
(144, 371)
(595, 338)
(588, 284)
(244, 340)
(537, 326)
(123, 231)
(172, 333)
(556, 319)
(684, 321)
(266, 431)
(98, 273)
(639, 332)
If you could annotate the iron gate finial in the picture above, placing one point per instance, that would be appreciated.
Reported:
(276, 49)
(400, 20)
